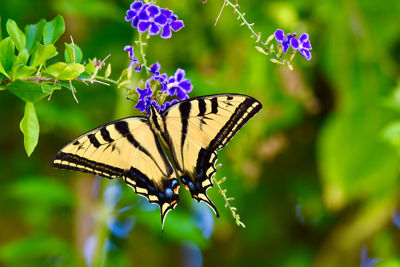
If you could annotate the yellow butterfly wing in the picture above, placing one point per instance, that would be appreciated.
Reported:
(205, 125)
(126, 148)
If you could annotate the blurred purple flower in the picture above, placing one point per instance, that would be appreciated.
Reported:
(303, 44)
(90, 245)
(111, 196)
(120, 228)
(396, 219)
(134, 60)
(365, 260)
(191, 255)
(283, 39)
(178, 85)
(204, 219)
(299, 214)
(153, 18)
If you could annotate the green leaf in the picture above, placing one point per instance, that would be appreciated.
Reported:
(47, 88)
(108, 71)
(24, 72)
(53, 30)
(16, 34)
(56, 69)
(34, 33)
(7, 56)
(391, 133)
(1, 35)
(3, 71)
(72, 53)
(22, 57)
(30, 128)
(62, 71)
(43, 53)
(72, 71)
(26, 90)
(90, 67)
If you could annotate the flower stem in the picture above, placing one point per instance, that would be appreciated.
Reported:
(250, 26)
(141, 46)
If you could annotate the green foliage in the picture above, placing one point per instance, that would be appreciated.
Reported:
(30, 128)
(52, 30)
(38, 250)
(27, 74)
(72, 53)
(16, 34)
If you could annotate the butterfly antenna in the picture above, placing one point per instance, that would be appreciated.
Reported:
(134, 101)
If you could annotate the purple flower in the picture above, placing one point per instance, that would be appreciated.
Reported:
(144, 99)
(153, 18)
(172, 23)
(134, 60)
(132, 13)
(283, 39)
(191, 255)
(178, 85)
(155, 68)
(303, 45)
(204, 220)
(396, 219)
(367, 261)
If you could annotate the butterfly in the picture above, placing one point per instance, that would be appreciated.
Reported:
(192, 130)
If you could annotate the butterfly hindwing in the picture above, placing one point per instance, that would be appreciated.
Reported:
(126, 148)
(206, 124)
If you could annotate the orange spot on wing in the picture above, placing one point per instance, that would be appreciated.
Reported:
(187, 187)
(176, 190)
(173, 202)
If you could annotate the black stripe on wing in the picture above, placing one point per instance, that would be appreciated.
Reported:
(74, 162)
(247, 109)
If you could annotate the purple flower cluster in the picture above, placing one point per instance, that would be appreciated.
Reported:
(154, 19)
(174, 86)
(303, 44)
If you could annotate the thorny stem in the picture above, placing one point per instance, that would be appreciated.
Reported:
(250, 26)
(227, 204)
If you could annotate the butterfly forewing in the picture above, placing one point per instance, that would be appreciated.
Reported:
(125, 148)
(206, 124)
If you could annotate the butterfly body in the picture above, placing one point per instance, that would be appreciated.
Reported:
(194, 130)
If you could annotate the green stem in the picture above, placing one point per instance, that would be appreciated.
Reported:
(235, 215)
(141, 46)
(101, 233)
(250, 26)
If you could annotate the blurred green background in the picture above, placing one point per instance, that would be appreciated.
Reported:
(315, 174)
